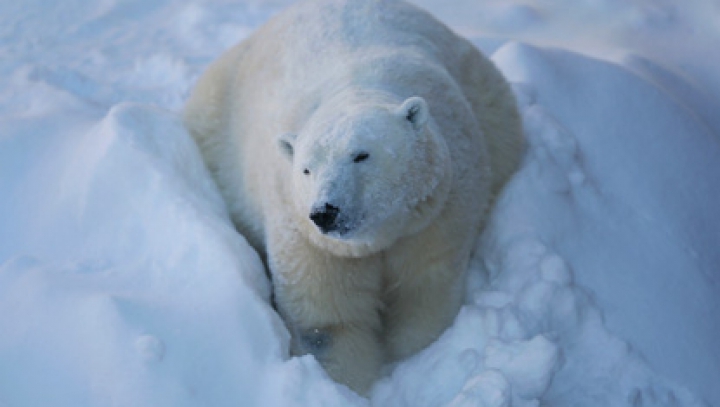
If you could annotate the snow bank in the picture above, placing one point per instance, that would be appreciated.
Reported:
(122, 281)
(628, 165)
(131, 287)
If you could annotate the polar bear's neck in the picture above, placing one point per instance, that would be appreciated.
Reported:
(357, 97)
(432, 198)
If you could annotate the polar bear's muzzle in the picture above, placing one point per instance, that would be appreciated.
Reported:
(326, 217)
(333, 221)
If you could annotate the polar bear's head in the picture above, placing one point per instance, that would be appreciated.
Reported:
(364, 175)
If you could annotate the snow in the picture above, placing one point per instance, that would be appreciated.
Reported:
(122, 281)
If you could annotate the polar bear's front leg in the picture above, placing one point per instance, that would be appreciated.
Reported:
(425, 290)
(331, 306)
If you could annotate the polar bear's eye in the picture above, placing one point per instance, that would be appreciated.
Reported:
(360, 157)
(306, 171)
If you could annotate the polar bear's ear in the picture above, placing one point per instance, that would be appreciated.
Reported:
(285, 141)
(415, 110)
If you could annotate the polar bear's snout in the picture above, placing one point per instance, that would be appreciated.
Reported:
(325, 216)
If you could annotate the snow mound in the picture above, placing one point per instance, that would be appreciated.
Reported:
(133, 245)
(623, 162)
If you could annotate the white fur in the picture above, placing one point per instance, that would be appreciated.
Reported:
(320, 85)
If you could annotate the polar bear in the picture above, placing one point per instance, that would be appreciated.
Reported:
(358, 145)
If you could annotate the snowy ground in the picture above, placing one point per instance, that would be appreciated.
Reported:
(596, 284)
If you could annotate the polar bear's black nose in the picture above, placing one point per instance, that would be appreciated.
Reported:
(325, 216)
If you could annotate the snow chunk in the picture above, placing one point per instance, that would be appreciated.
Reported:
(554, 269)
(528, 365)
(487, 389)
(151, 348)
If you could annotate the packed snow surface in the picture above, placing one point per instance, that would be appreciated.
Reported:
(596, 283)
